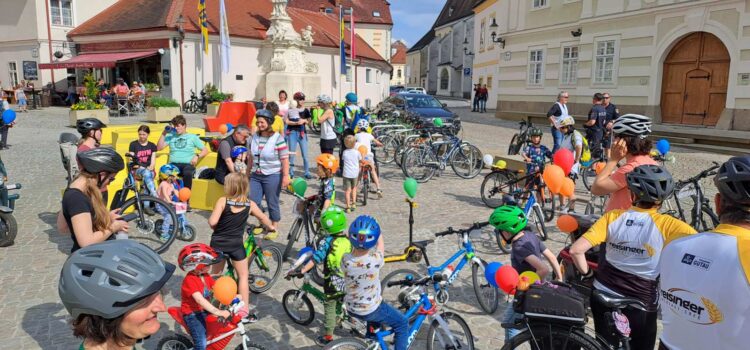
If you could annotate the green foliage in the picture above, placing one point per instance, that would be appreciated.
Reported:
(157, 102)
(151, 86)
(87, 105)
(91, 90)
(214, 95)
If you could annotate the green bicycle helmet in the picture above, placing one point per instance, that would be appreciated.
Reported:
(508, 218)
(535, 132)
(438, 122)
(333, 220)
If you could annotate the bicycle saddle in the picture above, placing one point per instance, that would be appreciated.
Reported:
(423, 244)
(614, 302)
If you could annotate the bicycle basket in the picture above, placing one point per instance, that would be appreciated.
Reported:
(558, 302)
(298, 207)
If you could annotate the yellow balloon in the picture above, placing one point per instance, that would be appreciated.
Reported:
(531, 276)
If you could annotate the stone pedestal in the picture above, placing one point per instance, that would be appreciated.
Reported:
(293, 82)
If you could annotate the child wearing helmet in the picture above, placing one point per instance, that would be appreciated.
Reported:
(330, 253)
(630, 266)
(364, 138)
(168, 193)
(535, 153)
(327, 166)
(239, 154)
(195, 293)
(526, 251)
(362, 280)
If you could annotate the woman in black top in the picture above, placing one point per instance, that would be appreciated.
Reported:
(84, 214)
(228, 222)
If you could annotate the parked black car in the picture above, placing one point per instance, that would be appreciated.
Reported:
(424, 106)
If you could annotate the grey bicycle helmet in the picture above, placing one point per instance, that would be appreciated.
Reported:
(632, 125)
(87, 124)
(650, 183)
(265, 114)
(535, 132)
(108, 279)
(324, 99)
(733, 180)
(101, 159)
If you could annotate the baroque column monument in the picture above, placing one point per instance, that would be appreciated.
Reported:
(283, 57)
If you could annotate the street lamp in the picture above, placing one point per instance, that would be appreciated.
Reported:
(466, 47)
(494, 28)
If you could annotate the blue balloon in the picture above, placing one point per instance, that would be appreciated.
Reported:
(230, 127)
(9, 116)
(489, 272)
(663, 146)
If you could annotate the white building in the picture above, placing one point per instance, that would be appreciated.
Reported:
(398, 61)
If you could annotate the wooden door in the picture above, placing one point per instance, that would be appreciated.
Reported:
(695, 78)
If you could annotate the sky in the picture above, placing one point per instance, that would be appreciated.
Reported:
(413, 18)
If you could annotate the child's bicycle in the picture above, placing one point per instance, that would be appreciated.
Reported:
(487, 295)
(219, 332)
(299, 308)
(447, 330)
(265, 262)
(306, 211)
(186, 232)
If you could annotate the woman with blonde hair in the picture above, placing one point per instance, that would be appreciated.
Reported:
(84, 213)
(228, 221)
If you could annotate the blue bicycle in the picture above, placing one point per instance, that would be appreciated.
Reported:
(426, 159)
(487, 295)
(447, 330)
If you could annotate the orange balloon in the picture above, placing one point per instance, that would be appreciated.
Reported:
(567, 223)
(598, 167)
(223, 129)
(362, 150)
(553, 176)
(523, 283)
(568, 187)
(225, 289)
(184, 194)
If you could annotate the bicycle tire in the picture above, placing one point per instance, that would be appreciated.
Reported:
(401, 150)
(468, 156)
(467, 343)
(588, 174)
(539, 222)
(188, 233)
(390, 294)
(551, 337)
(546, 199)
(250, 346)
(487, 295)
(292, 237)
(315, 127)
(8, 229)
(296, 296)
(389, 149)
(490, 184)
(512, 146)
(190, 106)
(175, 342)
(273, 261)
(346, 344)
(145, 231)
(707, 225)
(416, 159)
(504, 247)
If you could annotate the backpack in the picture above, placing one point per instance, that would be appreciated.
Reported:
(68, 150)
(338, 125)
(585, 149)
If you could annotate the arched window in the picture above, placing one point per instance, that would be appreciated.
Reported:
(444, 79)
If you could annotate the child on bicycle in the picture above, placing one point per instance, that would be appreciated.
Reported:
(351, 159)
(361, 269)
(196, 290)
(168, 192)
(228, 220)
(526, 251)
(144, 153)
(327, 166)
(366, 139)
(330, 253)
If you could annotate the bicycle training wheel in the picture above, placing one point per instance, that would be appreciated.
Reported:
(143, 228)
(264, 269)
(467, 161)
(495, 185)
(543, 337)
(298, 307)
(487, 295)
(456, 331)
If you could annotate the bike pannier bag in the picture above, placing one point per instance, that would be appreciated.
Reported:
(552, 302)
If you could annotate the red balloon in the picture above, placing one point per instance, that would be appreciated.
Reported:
(506, 278)
(564, 159)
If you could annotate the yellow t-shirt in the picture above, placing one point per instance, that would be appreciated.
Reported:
(278, 125)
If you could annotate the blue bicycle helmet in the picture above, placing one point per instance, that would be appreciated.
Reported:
(364, 232)
(238, 150)
(168, 170)
(351, 97)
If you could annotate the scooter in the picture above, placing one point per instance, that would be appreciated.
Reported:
(8, 224)
(570, 273)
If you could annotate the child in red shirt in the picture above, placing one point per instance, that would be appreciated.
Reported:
(195, 259)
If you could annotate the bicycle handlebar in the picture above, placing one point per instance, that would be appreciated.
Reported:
(473, 227)
(419, 282)
(703, 174)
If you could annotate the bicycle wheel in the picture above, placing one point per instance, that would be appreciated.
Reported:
(143, 229)
(188, 233)
(175, 342)
(457, 330)
(708, 220)
(400, 152)
(347, 344)
(420, 163)
(544, 337)
(494, 188)
(466, 161)
(504, 247)
(487, 295)
(588, 174)
(512, 150)
(315, 127)
(546, 199)
(8, 229)
(390, 294)
(190, 106)
(250, 346)
(298, 307)
(292, 237)
(536, 218)
(365, 191)
(389, 149)
(264, 270)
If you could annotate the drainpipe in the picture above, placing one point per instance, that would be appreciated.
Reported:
(49, 43)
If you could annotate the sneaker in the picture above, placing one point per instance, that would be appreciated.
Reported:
(323, 340)
(380, 194)
(164, 238)
(271, 235)
(354, 206)
(349, 210)
(250, 318)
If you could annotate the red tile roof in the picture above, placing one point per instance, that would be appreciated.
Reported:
(247, 19)
(400, 56)
(364, 10)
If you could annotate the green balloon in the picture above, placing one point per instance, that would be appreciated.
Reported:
(437, 122)
(299, 186)
(410, 187)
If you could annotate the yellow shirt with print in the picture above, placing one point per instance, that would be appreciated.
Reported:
(278, 125)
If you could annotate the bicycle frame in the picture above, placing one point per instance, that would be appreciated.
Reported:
(466, 252)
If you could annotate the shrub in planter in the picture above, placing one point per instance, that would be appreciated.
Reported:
(162, 109)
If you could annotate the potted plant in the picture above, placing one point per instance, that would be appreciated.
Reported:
(161, 109)
(216, 97)
(89, 106)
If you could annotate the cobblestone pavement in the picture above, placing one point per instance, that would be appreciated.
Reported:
(33, 317)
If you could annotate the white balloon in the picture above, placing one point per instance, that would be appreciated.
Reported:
(488, 159)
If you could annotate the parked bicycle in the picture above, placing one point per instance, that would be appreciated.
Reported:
(689, 204)
(194, 104)
(8, 224)
(447, 330)
(521, 138)
(424, 161)
(530, 187)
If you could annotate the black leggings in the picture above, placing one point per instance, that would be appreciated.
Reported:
(186, 172)
(642, 325)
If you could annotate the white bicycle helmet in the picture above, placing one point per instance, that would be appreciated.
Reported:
(568, 121)
(632, 125)
(324, 99)
(363, 124)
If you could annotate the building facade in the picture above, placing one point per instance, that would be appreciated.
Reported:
(416, 61)
(680, 62)
(34, 32)
(398, 61)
